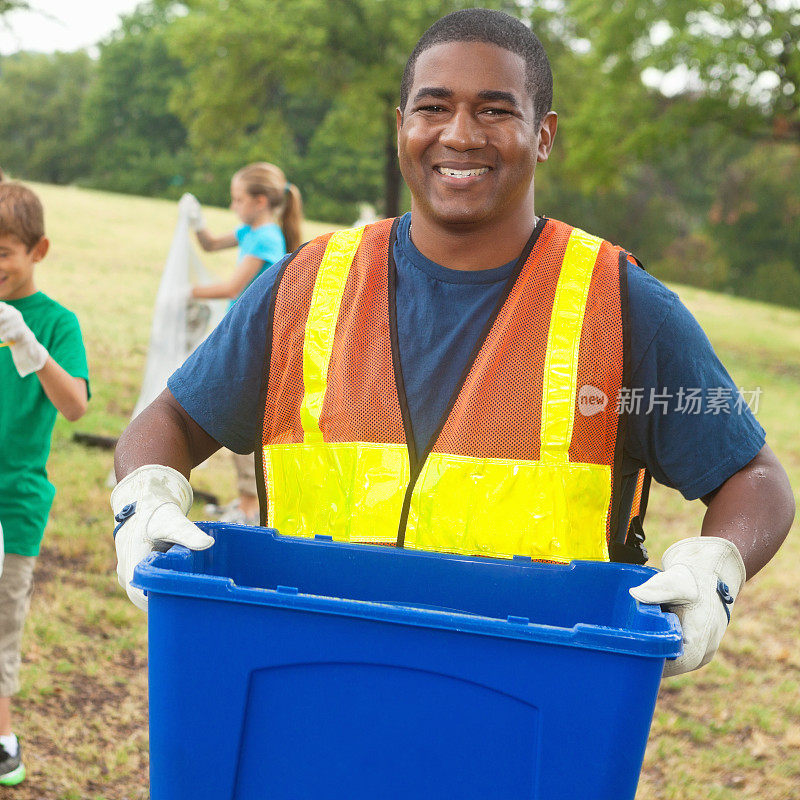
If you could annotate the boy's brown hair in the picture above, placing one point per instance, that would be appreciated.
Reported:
(21, 214)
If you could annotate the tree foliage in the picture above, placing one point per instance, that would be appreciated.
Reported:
(755, 220)
(679, 120)
(139, 145)
(40, 98)
(662, 105)
(346, 56)
(13, 5)
(659, 71)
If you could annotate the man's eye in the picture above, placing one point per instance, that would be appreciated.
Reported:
(431, 109)
(497, 112)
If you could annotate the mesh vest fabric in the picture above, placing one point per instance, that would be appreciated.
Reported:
(360, 417)
(523, 461)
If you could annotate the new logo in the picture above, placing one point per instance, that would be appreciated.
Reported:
(591, 400)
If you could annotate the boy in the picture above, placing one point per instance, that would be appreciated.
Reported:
(43, 370)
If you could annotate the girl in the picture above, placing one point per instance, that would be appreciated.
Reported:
(261, 197)
(271, 211)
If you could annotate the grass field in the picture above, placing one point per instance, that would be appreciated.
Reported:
(731, 730)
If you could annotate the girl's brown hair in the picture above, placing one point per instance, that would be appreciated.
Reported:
(283, 197)
(21, 214)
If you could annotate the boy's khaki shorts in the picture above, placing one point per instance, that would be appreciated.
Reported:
(16, 586)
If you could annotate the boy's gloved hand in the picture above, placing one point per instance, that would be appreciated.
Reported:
(190, 205)
(28, 354)
(150, 507)
(702, 577)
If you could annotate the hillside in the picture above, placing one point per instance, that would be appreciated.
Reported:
(729, 731)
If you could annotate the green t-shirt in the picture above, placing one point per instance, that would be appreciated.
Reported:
(26, 422)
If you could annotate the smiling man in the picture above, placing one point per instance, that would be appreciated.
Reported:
(449, 380)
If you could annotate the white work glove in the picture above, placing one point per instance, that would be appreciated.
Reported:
(702, 577)
(150, 507)
(190, 206)
(27, 353)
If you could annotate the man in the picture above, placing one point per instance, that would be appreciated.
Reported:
(442, 381)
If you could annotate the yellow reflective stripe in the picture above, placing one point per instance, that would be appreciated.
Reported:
(269, 480)
(500, 508)
(563, 343)
(352, 491)
(321, 326)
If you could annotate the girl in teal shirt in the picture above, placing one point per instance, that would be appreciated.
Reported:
(271, 211)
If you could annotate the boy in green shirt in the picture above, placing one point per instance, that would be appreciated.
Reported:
(43, 370)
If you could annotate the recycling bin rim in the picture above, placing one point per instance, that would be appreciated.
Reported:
(171, 573)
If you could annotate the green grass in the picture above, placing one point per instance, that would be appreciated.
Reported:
(82, 709)
(731, 730)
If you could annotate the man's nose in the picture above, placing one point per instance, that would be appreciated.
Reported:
(463, 132)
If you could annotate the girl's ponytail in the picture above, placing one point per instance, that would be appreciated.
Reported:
(292, 218)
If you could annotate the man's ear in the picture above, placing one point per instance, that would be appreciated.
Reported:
(547, 135)
(40, 249)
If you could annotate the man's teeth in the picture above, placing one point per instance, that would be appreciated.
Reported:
(462, 173)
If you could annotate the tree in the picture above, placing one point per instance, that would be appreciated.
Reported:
(245, 59)
(345, 152)
(675, 119)
(40, 98)
(755, 222)
(657, 72)
(13, 5)
(138, 144)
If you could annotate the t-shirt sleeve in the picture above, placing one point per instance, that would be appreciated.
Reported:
(67, 347)
(219, 385)
(241, 232)
(266, 243)
(688, 422)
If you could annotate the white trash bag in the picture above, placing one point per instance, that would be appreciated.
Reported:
(179, 325)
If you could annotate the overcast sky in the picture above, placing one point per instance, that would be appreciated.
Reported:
(61, 24)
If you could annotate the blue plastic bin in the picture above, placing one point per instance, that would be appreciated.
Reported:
(297, 669)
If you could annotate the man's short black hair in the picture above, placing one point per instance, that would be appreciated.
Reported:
(492, 27)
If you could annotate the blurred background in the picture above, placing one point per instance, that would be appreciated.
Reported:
(679, 130)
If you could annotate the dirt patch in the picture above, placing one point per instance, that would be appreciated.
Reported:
(53, 562)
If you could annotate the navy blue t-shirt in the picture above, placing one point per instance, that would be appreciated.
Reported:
(686, 424)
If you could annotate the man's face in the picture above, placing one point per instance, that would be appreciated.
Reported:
(467, 139)
(16, 266)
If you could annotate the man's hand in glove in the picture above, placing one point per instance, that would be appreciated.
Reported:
(150, 506)
(27, 353)
(702, 577)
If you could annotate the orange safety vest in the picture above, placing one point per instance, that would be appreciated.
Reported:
(525, 461)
